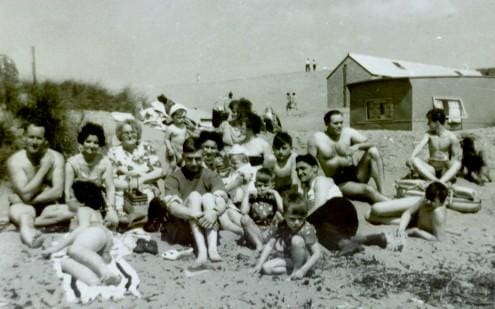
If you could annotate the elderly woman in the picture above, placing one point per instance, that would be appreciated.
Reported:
(259, 151)
(135, 166)
(90, 165)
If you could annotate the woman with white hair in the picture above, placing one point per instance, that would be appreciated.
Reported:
(135, 166)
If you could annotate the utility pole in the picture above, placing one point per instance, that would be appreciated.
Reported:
(34, 64)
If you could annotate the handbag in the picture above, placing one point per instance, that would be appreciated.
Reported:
(134, 197)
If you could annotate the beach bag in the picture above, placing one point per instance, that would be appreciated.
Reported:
(134, 197)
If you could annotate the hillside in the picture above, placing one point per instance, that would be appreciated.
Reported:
(263, 91)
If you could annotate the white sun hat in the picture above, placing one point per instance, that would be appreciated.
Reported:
(176, 107)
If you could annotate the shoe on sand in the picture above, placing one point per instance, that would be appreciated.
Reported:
(174, 254)
(141, 245)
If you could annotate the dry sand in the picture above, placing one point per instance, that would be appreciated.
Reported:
(456, 273)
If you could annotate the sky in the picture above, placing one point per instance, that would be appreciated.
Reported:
(148, 43)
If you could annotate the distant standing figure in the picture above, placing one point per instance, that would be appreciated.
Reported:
(288, 106)
(314, 64)
(294, 101)
(308, 65)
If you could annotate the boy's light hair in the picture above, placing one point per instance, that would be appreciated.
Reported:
(264, 175)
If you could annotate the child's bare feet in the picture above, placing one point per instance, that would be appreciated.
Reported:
(201, 259)
(32, 238)
(214, 256)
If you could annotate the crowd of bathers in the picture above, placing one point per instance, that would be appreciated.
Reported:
(282, 204)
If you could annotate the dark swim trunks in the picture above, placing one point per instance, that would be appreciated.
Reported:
(346, 174)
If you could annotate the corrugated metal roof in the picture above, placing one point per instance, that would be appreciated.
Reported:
(400, 68)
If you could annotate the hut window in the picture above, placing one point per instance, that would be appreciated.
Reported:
(379, 109)
(453, 107)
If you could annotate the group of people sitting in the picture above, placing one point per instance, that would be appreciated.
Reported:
(282, 204)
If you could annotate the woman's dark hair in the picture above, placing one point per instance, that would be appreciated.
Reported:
(211, 136)
(89, 194)
(307, 158)
(91, 129)
(253, 122)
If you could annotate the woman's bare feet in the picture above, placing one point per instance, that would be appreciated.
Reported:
(32, 237)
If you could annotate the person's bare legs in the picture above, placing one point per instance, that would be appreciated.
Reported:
(211, 234)
(298, 252)
(253, 233)
(371, 166)
(230, 220)
(4, 204)
(194, 203)
(80, 272)
(424, 170)
(389, 212)
(451, 172)
(84, 250)
(361, 191)
(276, 266)
(53, 214)
(23, 216)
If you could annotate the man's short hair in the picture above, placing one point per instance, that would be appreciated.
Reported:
(328, 115)
(436, 190)
(91, 129)
(295, 204)
(191, 145)
(280, 139)
(436, 114)
(211, 136)
(134, 125)
(307, 158)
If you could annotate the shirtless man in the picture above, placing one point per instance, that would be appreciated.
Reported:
(36, 174)
(334, 150)
(444, 148)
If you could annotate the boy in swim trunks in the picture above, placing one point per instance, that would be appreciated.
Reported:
(426, 218)
(285, 166)
(444, 150)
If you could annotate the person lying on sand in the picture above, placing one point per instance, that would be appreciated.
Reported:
(334, 217)
(36, 174)
(89, 245)
(294, 241)
(422, 216)
(335, 149)
(444, 150)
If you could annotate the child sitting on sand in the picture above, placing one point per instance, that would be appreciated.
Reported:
(261, 208)
(297, 240)
(241, 178)
(426, 218)
(285, 166)
(89, 244)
